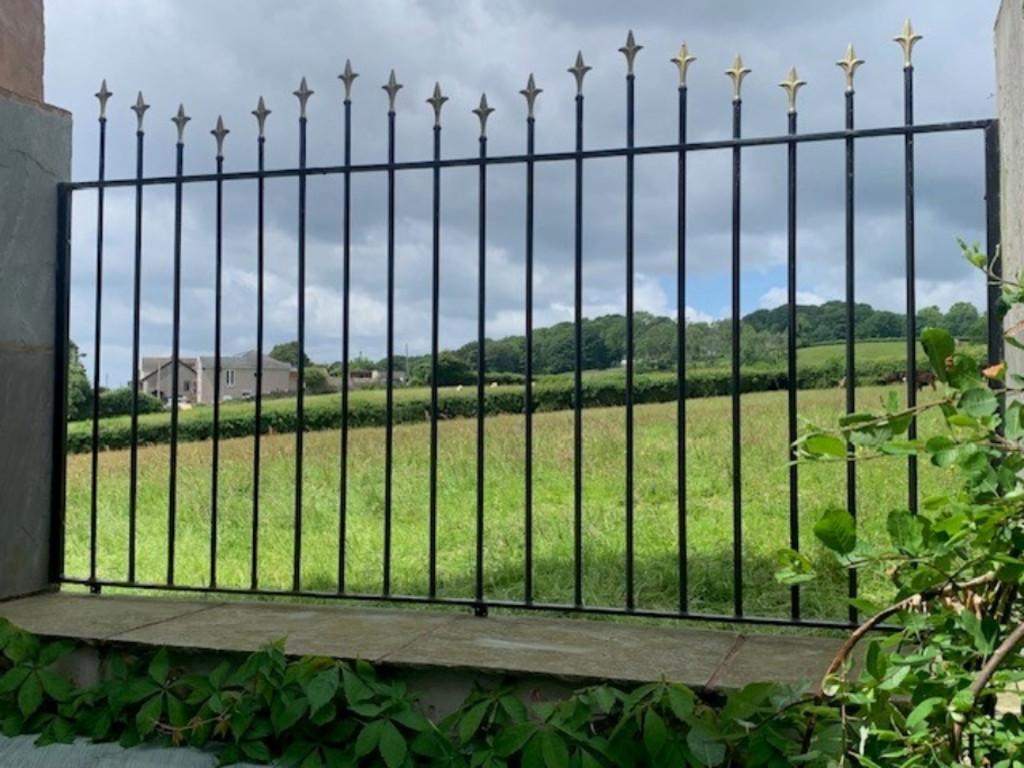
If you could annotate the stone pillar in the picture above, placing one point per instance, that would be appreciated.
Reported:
(35, 154)
(1010, 96)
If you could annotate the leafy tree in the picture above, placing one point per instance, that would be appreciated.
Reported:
(960, 319)
(79, 391)
(317, 382)
(452, 370)
(288, 352)
(930, 317)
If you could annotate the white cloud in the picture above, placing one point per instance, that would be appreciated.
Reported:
(778, 295)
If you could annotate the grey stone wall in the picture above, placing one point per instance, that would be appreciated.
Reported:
(35, 154)
(1010, 96)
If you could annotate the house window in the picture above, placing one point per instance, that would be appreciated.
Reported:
(229, 378)
(186, 386)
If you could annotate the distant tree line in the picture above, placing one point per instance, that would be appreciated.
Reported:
(825, 323)
(763, 340)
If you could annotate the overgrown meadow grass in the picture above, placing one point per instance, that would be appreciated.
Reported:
(765, 498)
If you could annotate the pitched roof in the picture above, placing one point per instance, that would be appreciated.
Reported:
(155, 364)
(245, 360)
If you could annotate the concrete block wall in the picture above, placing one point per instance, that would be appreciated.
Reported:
(1009, 35)
(35, 155)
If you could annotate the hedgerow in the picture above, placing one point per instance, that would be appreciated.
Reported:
(551, 393)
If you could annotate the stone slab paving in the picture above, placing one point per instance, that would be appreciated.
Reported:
(21, 752)
(567, 649)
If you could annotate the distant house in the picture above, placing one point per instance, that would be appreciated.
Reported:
(365, 378)
(196, 377)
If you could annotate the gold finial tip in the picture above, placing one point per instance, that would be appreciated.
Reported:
(103, 95)
(437, 101)
(849, 64)
(683, 59)
(530, 92)
(347, 76)
(392, 87)
(219, 132)
(139, 108)
(792, 84)
(180, 119)
(737, 72)
(483, 112)
(630, 50)
(578, 70)
(261, 113)
(303, 94)
(907, 39)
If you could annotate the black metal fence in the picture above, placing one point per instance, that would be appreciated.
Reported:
(848, 136)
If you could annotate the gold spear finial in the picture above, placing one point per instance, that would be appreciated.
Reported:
(906, 39)
(792, 84)
(303, 95)
(347, 77)
(103, 95)
(139, 108)
(849, 64)
(219, 133)
(483, 112)
(737, 72)
(630, 50)
(437, 101)
(392, 87)
(261, 113)
(531, 91)
(578, 70)
(180, 120)
(683, 59)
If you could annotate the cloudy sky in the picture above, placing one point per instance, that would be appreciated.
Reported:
(218, 56)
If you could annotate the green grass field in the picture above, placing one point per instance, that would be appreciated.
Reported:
(869, 351)
(709, 507)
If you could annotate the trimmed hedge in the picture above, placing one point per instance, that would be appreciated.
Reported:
(551, 393)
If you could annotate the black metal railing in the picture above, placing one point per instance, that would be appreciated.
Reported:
(849, 137)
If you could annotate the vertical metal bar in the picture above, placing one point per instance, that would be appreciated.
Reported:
(300, 400)
(851, 336)
(578, 366)
(254, 548)
(218, 290)
(682, 545)
(528, 413)
(58, 485)
(737, 469)
(390, 405)
(97, 344)
(630, 343)
(133, 448)
(992, 238)
(481, 370)
(346, 314)
(435, 343)
(791, 368)
(908, 177)
(172, 502)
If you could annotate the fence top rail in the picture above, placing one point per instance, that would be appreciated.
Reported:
(651, 149)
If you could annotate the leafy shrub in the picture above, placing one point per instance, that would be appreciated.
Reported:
(118, 402)
(316, 711)
(926, 693)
